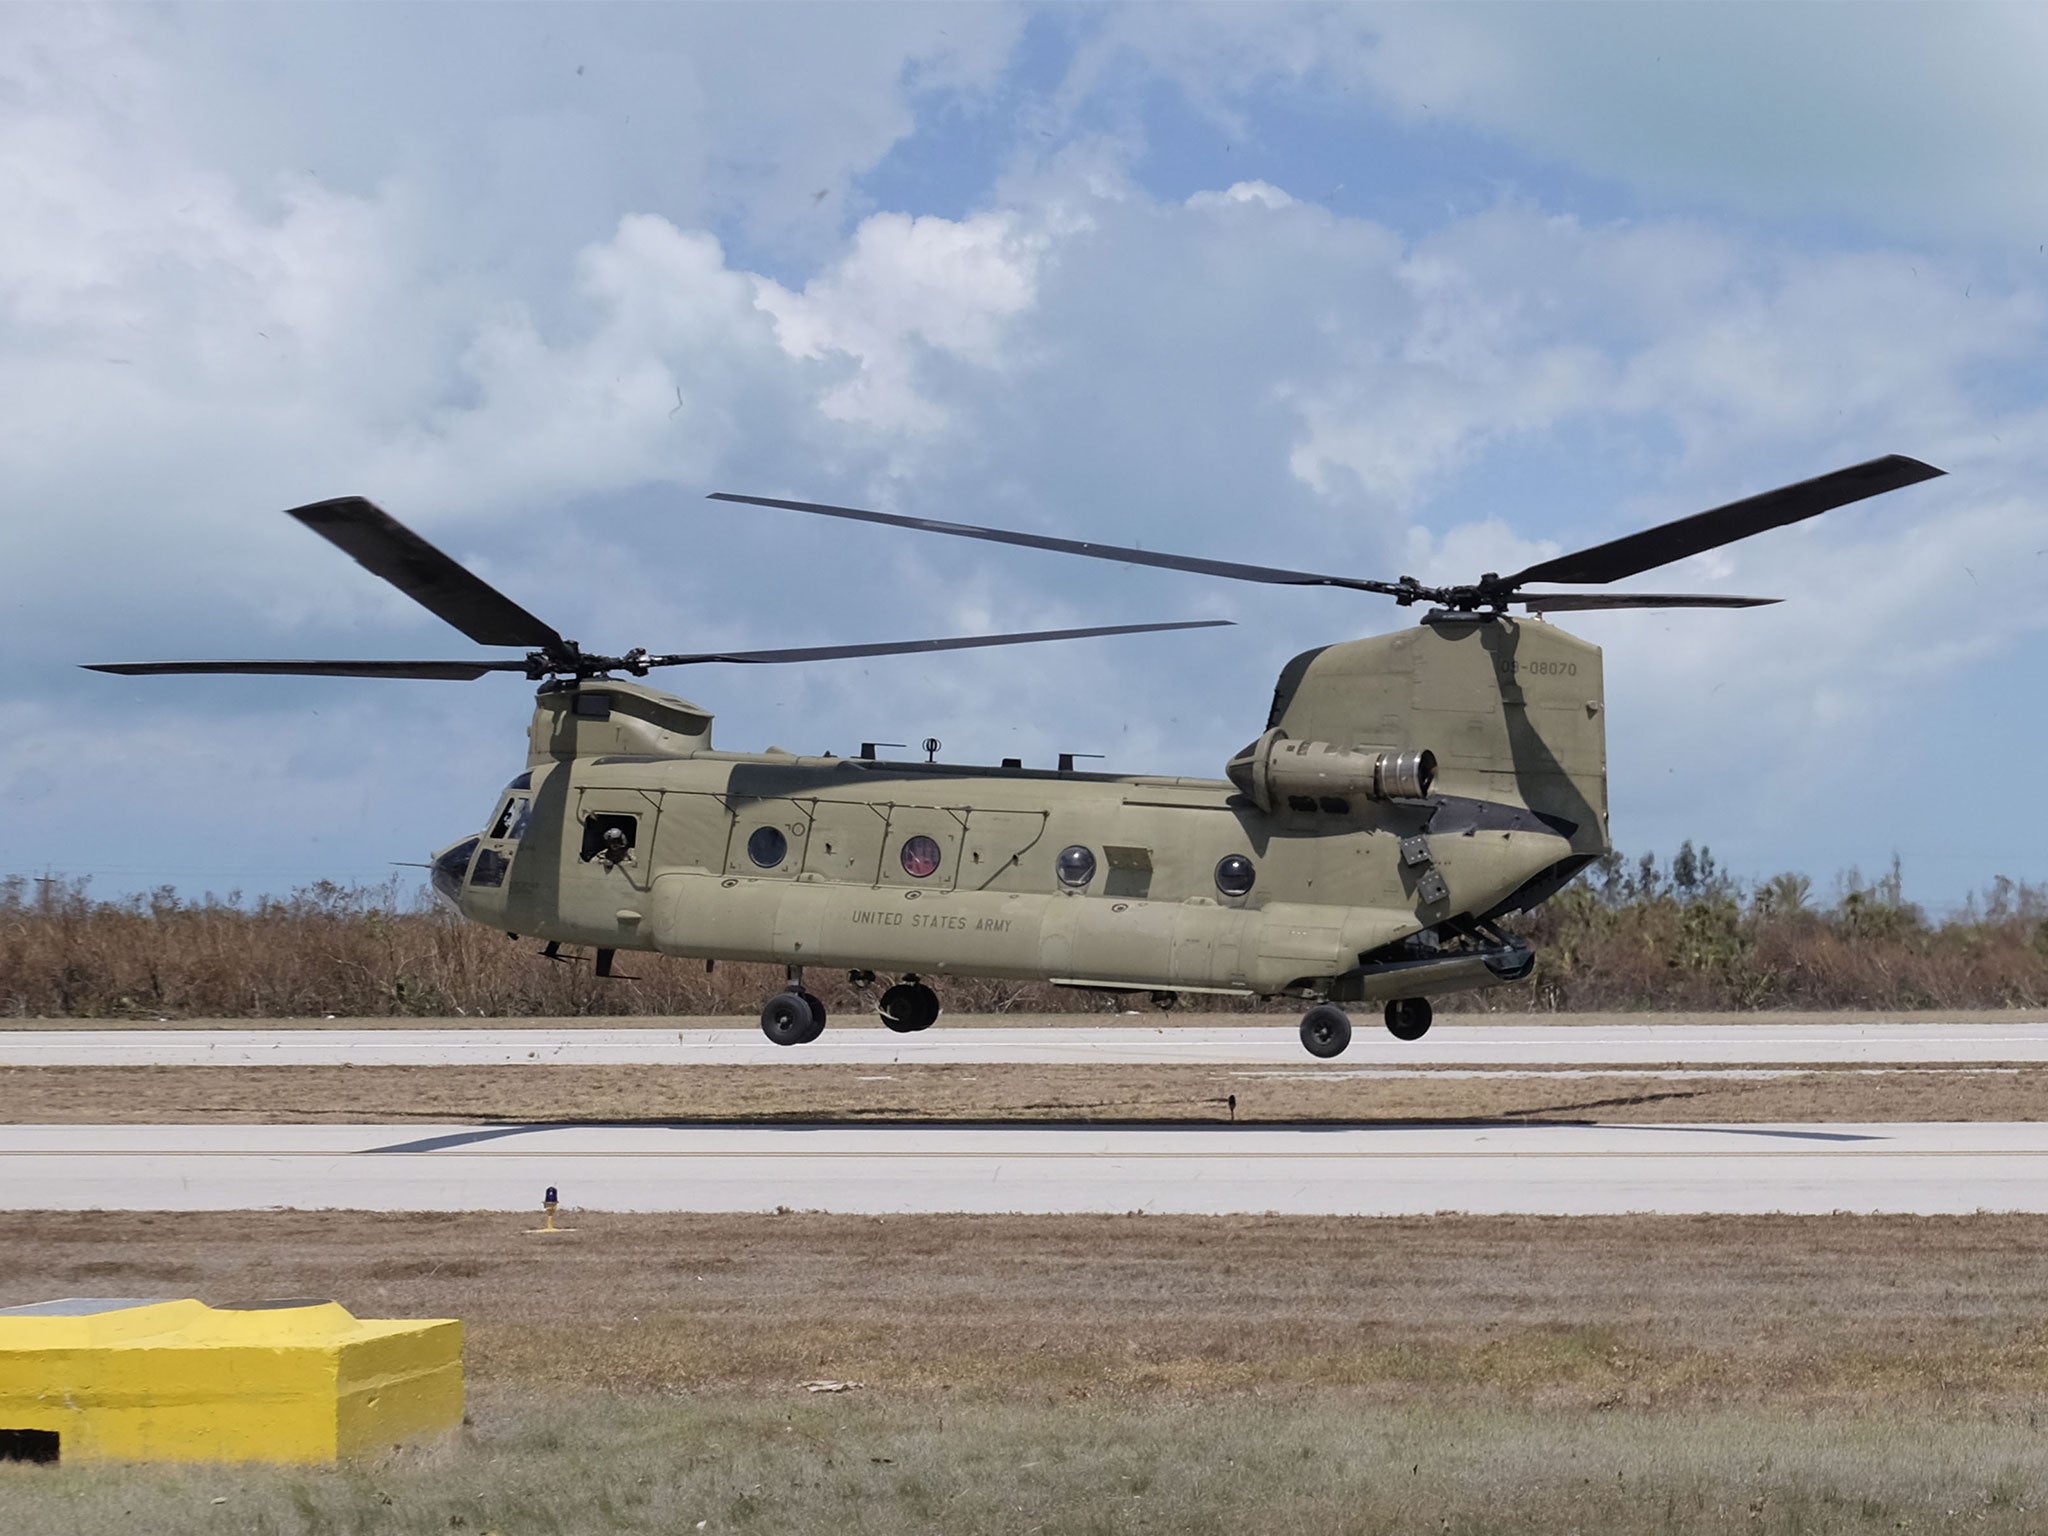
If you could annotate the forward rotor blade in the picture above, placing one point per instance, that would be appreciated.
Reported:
(914, 647)
(383, 545)
(445, 671)
(1671, 541)
(1567, 602)
(1275, 575)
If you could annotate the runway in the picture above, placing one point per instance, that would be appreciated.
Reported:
(863, 1042)
(1926, 1168)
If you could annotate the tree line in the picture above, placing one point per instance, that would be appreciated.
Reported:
(1631, 934)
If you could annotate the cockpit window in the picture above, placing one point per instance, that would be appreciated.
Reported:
(512, 820)
(449, 868)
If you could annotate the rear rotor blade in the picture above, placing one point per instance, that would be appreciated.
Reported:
(1275, 575)
(445, 671)
(1567, 602)
(1671, 541)
(914, 647)
(383, 545)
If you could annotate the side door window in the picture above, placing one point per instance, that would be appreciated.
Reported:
(614, 837)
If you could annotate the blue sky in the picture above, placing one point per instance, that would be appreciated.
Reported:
(1375, 289)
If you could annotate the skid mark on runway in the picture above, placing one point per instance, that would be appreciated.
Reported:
(1614, 1103)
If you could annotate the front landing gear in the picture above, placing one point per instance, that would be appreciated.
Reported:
(1408, 1017)
(793, 1016)
(909, 1006)
(1325, 1030)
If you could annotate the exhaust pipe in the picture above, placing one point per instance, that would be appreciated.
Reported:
(1274, 768)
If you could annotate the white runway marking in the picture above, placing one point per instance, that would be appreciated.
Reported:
(1539, 1169)
(864, 1043)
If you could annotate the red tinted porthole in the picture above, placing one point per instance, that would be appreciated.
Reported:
(920, 857)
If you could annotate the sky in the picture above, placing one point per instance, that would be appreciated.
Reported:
(1377, 290)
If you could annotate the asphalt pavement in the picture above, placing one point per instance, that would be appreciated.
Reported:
(1924, 1168)
(863, 1042)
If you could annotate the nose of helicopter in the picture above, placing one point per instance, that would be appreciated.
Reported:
(450, 865)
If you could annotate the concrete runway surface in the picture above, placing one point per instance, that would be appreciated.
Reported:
(863, 1042)
(1539, 1169)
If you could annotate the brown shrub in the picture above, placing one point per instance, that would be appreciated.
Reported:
(1713, 948)
(361, 952)
(380, 952)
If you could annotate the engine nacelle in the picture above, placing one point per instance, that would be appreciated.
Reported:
(1273, 768)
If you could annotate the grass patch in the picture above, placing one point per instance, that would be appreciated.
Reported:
(1313, 1462)
(1937, 1315)
(991, 1091)
(1127, 1374)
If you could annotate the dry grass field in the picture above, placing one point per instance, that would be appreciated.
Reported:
(981, 1091)
(1311, 1463)
(1130, 1374)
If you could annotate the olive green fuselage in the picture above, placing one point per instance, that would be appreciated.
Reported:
(636, 834)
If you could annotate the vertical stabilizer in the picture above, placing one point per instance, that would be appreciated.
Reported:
(1513, 709)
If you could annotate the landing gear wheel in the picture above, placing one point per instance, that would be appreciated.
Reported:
(1325, 1030)
(908, 1007)
(1408, 1018)
(817, 1015)
(792, 1018)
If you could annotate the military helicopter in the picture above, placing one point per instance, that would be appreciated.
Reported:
(1408, 792)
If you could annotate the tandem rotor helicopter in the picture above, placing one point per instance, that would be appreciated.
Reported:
(1407, 793)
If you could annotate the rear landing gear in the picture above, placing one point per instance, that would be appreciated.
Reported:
(1408, 1017)
(1325, 1030)
(909, 1006)
(793, 1016)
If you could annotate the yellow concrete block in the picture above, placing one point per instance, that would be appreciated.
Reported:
(182, 1381)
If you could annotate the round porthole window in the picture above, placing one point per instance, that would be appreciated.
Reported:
(767, 847)
(1234, 875)
(920, 857)
(1075, 867)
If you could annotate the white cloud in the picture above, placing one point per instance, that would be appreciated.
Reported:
(672, 342)
(1240, 371)
(1920, 119)
(1263, 193)
(1917, 117)
(905, 286)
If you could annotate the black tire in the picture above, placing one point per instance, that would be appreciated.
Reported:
(908, 1007)
(1409, 1018)
(895, 1009)
(788, 1018)
(1325, 1030)
(817, 1015)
